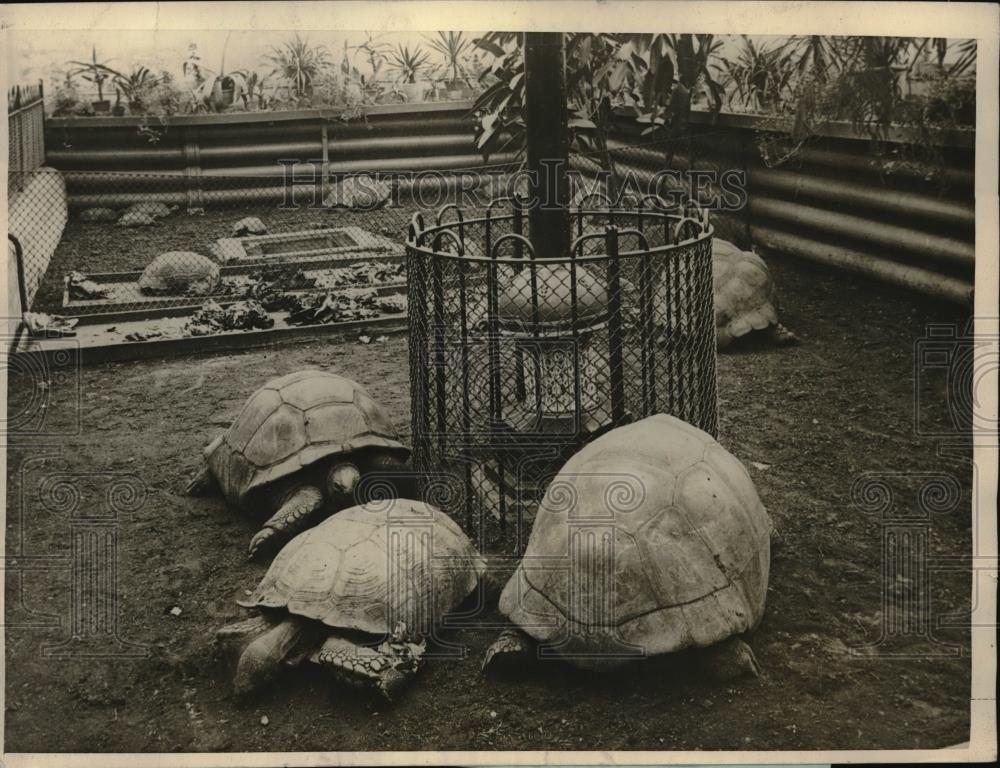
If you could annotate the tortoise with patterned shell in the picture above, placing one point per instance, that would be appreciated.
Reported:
(298, 448)
(358, 595)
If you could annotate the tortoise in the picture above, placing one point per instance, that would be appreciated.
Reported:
(136, 219)
(150, 208)
(180, 272)
(299, 446)
(98, 215)
(650, 540)
(358, 594)
(249, 225)
(745, 297)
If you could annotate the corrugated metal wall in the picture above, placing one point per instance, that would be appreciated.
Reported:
(830, 205)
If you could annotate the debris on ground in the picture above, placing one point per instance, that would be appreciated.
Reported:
(393, 304)
(240, 316)
(365, 273)
(327, 308)
(175, 611)
(249, 225)
(82, 287)
(40, 323)
(264, 720)
(143, 335)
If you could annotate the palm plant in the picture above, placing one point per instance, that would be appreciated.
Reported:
(300, 65)
(93, 71)
(408, 63)
(760, 75)
(376, 54)
(453, 48)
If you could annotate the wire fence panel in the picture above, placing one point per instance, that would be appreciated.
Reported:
(26, 133)
(517, 360)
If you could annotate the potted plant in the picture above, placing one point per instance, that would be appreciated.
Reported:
(132, 87)
(453, 48)
(65, 99)
(409, 65)
(360, 86)
(300, 65)
(97, 73)
(219, 93)
(253, 96)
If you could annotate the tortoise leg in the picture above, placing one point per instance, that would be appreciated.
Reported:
(508, 652)
(729, 660)
(385, 669)
(204, 483)
(233, 638)
(781, 336)
(291, 517)
(263, 658)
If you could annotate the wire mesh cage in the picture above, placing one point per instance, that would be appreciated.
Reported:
(518, 358)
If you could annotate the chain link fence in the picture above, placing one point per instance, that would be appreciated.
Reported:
(120, 246)
(517, 359)
(26, 133)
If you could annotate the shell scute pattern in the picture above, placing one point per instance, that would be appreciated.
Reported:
(682, 560)
(294, 421)
(745, 294)
(345, 573)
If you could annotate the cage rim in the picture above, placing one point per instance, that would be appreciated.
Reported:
(414, 236)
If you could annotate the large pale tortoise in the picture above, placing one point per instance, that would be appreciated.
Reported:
(650, 540)
(745, 296)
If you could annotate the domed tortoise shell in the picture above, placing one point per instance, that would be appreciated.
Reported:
(650, 539)
(369, 567)
(292, 422)
(745, 298)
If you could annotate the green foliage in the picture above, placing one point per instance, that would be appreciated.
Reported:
(806, 82)
(93, 71)
(134, 85)
(454, 48)
(408, 64)
(652, 78)
(299, 65)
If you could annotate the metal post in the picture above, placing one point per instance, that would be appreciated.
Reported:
(547, 139)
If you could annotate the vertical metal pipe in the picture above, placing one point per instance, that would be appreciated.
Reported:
(547, 141)
(615, 339)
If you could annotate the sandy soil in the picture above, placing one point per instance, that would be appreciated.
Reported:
(819, 415)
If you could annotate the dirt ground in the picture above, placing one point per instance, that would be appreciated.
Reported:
(812, 419)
